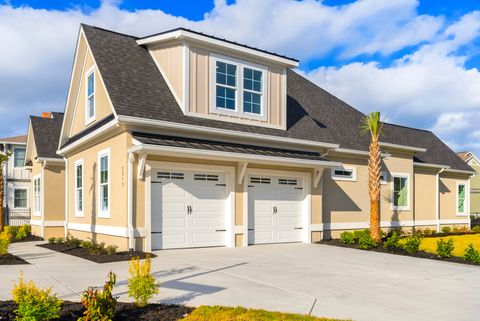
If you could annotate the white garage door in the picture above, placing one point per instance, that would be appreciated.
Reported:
(275, 207)
(188, 209)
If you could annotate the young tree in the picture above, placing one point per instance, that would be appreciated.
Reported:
(371, 124)
(3, 159)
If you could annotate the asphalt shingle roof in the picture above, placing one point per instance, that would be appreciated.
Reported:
(46, 132)
(137, 88)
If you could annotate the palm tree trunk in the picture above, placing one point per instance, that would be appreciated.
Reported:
(374, 166)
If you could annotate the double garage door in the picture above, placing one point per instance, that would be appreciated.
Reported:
(189, 209)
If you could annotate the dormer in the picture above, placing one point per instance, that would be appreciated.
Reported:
(223, 80)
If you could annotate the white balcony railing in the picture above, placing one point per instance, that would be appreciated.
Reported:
(18, 173)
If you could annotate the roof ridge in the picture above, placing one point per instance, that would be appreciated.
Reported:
(111, 31)
(408, 127)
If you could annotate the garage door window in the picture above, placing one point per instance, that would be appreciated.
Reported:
(167, 175)
(260, 180)
(344, 174)
(205, 177)
(287, 181)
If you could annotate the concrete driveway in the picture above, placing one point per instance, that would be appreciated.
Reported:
(302, 278)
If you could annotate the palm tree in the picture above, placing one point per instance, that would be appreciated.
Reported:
(371, 124)
(3, 158)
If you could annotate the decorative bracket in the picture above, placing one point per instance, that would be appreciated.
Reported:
(142, 161)
(318, 176)
(242, 169)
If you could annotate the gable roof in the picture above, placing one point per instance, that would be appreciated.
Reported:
(467, 156)
(22, 140)
(46, 132)
(137, 89)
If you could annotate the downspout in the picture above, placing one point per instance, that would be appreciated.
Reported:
(42, 193)
(66, 197)
(438, 198)
(131, 240)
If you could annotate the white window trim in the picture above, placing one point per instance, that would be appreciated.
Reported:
(89, 120)
(238, 112)
(13, 158)
(77, 212)
(401, 175)
(466, 200)
(39, 212)
(104, 214)
(343, 178)
(20, 188)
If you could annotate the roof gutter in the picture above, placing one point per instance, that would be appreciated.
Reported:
(459, 171)
(430, 165)
(404, 147)
(51, 160)
(237, 157)
(223, 132)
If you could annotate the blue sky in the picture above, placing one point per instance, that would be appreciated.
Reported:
(415, 61)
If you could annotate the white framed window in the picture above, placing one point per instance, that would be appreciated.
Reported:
(344, 173)
(79, 187)
(90, 96)
(383, 177)
(37, 195)
(20, 198)
(238, 87)
(461, 198)
(18, 156)
(104, 184)
(400, 191)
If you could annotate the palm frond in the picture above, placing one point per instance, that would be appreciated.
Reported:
(371, 124)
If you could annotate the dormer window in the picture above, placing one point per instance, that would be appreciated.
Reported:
(90, 99)
(239, 88)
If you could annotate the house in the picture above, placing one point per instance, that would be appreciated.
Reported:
(182, 139)
(472, 160)
(16, 181)
(48, 175)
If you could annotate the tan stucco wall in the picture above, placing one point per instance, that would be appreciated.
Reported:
(103, 107)
(425, 194)
(54, 231)
(121, 242)
(448, 195)
(118, 182)
(200, 90)
(36, 230)
(54, 193)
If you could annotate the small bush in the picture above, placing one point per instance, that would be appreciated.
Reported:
(358, 234)
(365, 241)
(141, 285)
(111, 249)
(446, 229)
(51, 240)
(87, 245)
(460, 229)
(72, 241)
(33, 303)
(60, 240)
(476, 229)
(347, 238)
(411, 244)
(392, 242)
(100, 305)
(426, 232)
(471, 255)
(22, 232)
(5, 239)
(97, 248)
(445, 248)
(11, 230)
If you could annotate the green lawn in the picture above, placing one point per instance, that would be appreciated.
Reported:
(461, 242)
(218, 313)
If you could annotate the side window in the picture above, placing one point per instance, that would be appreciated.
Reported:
(36, 195)
(226, 86)
(90, 102)
(18, 157)
(20, 198)
(104, 184)
(461, 197)
(400, 192)
(79, 188)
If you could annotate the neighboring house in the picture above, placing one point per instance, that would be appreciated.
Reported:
(16, 181)
(474, 162)
(48, 175)
(186, 140)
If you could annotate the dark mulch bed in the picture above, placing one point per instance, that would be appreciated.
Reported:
(379, 248)
(10, 259)
(97, 258)
(29, 238)
(71, 311)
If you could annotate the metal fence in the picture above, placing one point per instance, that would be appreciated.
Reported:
(17, 216)
(475, 219)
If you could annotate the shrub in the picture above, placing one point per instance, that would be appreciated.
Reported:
(4, 243)
(358, 234)
(72, 241)
(22, 232)
(51, 240)
(97, 248)
(111, 249)
(11, 230)
(471, 255)
(411, 244)
(476, 229)
(33, 303)
(87, 245)
(347, 238)
(365, 241)
(141, 285)
(460, 229)
(60, 240)
(446, 229)
(100, 305)
(426, 232)
(392, 242)
(445, 248)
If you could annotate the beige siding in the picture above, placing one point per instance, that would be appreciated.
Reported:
(448, 196)
(169, 57)
(54, 193)
(425, 194)
(118, 183)
(200, 91)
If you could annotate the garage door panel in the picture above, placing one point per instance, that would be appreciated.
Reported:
(289, 235)
(212, 223)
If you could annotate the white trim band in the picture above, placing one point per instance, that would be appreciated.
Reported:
(104, 229)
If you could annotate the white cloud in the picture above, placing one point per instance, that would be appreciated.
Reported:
(417, 89)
